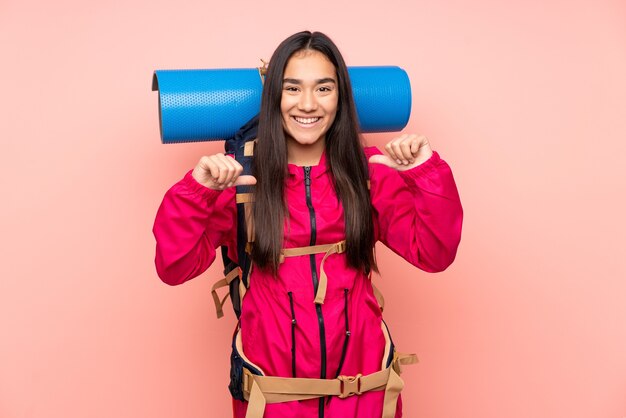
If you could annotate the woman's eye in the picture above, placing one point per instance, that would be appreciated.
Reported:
(290, 88)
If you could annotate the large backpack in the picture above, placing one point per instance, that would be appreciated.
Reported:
(247, 381)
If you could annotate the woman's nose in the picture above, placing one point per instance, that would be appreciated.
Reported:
(307, 101)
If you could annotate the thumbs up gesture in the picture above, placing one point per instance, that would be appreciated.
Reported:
(219, 172)
(404, 152)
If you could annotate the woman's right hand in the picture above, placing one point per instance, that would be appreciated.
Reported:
(219, 172)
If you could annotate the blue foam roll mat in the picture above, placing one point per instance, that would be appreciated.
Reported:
(210, 105)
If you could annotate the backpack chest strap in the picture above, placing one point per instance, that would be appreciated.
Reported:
(326, 249)
(320, 295)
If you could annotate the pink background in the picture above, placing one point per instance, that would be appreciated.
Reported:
(525, 99)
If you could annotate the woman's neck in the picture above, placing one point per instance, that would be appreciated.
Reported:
(305, 154)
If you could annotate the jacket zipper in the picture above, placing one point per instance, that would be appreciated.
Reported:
(344, 350)
(348, 333)
(293, 335)
(318, 308)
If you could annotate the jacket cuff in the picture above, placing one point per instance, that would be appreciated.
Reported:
(192, 186)
(423, 170)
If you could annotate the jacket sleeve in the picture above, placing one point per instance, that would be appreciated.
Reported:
(417, 213)
(190, 224)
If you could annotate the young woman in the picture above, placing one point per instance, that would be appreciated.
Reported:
(315, 184)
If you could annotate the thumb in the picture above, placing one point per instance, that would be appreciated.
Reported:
(383, 159)
(245, 181)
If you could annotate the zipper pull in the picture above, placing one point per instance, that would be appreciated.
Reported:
(307, 176)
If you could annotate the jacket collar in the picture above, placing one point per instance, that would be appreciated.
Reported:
(316, 170)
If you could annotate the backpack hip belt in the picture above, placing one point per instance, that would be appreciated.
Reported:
(260, 390)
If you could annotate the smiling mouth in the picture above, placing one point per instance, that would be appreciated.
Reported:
(305, 121)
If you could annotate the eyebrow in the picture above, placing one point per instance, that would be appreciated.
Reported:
(318, 81)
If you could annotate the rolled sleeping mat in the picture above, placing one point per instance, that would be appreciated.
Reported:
(210, 105)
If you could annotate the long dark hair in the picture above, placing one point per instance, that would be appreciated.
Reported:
(344, 157)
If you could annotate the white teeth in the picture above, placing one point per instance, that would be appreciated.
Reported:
(306, 120)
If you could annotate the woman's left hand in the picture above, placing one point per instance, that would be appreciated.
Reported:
(404, 152)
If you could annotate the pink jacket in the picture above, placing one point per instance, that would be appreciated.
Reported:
(417, 213)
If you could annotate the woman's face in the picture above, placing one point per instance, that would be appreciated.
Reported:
(309, 98)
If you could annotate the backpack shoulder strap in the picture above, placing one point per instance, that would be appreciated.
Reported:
(241, 146)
